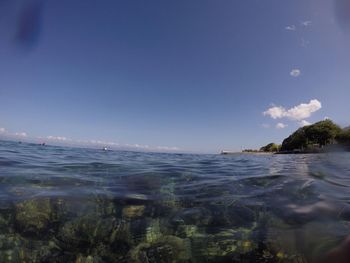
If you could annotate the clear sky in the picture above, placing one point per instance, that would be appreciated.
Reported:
(192, 75)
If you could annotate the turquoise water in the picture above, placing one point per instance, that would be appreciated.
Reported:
(85, 205)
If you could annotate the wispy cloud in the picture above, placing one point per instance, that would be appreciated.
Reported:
(166, 148)
(306, 23)
(137, 146)
(20, 134)
(12, 134)
(295, 73)
(299, 112)
(57, 138)
(291, 28)
(281, 125)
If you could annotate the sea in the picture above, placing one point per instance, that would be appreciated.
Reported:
(61, 204)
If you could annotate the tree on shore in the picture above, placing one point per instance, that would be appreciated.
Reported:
(271, 147)
(344, 137)
(316, 135)
(322, 133)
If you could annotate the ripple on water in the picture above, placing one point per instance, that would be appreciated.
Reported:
(120, 206)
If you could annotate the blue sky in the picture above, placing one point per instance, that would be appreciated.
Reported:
(171, 75)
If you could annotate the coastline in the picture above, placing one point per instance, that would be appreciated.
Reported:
(248, 153)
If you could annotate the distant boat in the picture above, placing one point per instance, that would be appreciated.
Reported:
(105, 149)
(227, 152)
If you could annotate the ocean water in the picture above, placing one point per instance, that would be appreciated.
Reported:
(62, 204)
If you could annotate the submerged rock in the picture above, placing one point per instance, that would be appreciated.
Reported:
(14, 248)
(133, 211)
(88, 259)
(232, 215)
(153, 232)
(33, 217)
(86, 232)
(5, 224)
(163, 250)
(10, 248)
(223, 244)
(188, 231)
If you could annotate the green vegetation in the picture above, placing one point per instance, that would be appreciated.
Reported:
(271, 147)
(344, 137)
(310, 139)
(312, 136)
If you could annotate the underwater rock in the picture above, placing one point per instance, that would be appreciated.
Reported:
(104, 206)
(153, 232)
(241, 216)
(168, 193)
(85, 232)
(14, 248)
(10, 248)
(38, 251)
(72, 208)
(193, 216)
(133, 211)
(137, 229)
(33, 216)
(148, 229)
(233, 216)
(5, 224)
(188, 231)
(224, 246)
(87, 259)
(163, 250)
(283, 241)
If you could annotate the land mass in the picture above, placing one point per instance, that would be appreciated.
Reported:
(321, 136)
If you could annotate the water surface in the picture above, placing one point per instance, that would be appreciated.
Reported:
(85, 205)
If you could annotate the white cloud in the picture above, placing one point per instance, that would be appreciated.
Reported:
(2, 130)
(113, 144)
(166, 148)
(138, 146)
(304, 110)
(281, 125)
(295, 72)
(291, 28)
(306, 23)
(104, 143)
(304, 123)
(57, 138)
(299, 112)
(276, 112)
(21, 134)
(149, 148)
